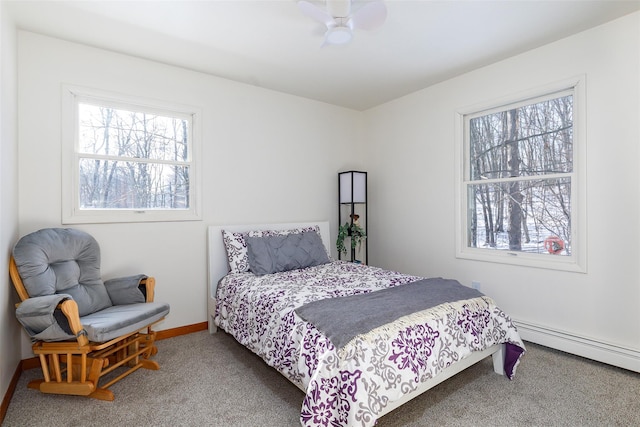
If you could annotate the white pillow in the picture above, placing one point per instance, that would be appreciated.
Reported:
(236, 248)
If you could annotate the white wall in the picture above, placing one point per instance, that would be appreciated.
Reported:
(271, 157)
(410, 158)
(267, 157)
(9, 327)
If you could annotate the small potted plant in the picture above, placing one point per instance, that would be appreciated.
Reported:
(354, 231)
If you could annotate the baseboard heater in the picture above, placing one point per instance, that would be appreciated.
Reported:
(611, 354)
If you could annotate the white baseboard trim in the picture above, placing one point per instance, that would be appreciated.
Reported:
(622, 357)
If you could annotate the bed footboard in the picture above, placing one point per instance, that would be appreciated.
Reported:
(496, 352)
(498, 360)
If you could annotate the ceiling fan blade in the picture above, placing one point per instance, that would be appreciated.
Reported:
(315, 13)
(370, 16)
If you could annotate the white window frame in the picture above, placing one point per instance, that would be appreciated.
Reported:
(576, 262)
(72, 96)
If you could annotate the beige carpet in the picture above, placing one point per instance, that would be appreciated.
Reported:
(210, 380)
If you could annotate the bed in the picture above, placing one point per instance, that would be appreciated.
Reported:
(369, 371)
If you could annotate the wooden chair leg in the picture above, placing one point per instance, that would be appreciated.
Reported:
(55, 361)
(35, 384)
(70, 369)
(74, 388)
(88, 368)
(96, 370)
(102, 394)
(148, 342)
(150, 364)
(84, 366)
(45, 367)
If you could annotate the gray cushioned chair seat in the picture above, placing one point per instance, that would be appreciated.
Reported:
(119, 320)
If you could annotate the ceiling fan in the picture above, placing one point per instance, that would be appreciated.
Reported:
(341, 21)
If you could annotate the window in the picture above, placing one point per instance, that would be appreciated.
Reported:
(128, 160)
(519, 192)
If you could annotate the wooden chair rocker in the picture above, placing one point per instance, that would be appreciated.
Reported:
(83, 329)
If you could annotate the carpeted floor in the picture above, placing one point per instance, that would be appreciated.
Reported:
(210, 380)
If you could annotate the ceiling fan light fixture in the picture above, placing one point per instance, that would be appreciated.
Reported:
(341, 22)
(338, 35)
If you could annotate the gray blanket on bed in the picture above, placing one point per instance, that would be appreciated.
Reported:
(342, 319)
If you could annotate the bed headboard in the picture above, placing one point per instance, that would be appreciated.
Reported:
(217, 256)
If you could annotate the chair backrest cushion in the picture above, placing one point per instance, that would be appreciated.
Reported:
(62, 260)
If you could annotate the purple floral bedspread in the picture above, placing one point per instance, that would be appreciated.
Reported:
(352, 386)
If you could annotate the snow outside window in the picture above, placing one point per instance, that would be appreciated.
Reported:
(128, 160)
(520, 200)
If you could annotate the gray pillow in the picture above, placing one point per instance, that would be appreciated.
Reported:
(274, 254)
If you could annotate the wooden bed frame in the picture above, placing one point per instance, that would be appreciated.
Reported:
(218, 267)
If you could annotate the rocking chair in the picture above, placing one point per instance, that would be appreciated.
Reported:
(83, 329)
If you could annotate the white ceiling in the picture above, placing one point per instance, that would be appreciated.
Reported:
(271, 44)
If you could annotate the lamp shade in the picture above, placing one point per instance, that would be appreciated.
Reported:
(353, 187)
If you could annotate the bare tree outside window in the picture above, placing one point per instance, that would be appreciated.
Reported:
(518, 185)
(132, 160)
(128, 158)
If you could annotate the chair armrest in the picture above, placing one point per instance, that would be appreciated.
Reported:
(70, 309)
(149, 285)
(128, 290)
(51, 318)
